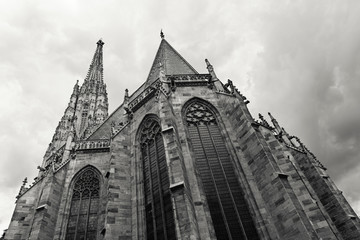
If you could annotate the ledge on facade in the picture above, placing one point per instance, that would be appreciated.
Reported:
(353, 217)
(176, 186)
(61, 165)
(100, 144)
(171, 128)
(144, 96)
(282, 175)
(41, 207)
(188, 77)
(225, 93)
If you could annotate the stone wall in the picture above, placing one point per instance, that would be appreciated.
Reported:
(23, 216)
(341, 213)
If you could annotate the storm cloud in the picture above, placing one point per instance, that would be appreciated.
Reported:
(300, 60)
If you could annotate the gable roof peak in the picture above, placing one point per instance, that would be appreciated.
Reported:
(170, 61)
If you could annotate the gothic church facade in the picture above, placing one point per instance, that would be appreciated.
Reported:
(180, 158)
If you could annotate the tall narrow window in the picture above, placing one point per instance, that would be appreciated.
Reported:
(228, 208)
(84, 115)
(158, 207)
(83, 215)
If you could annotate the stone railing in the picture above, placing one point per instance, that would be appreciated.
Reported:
(189, 79)
(92, 144)
(55, 157)
(143, 96)
(117, 127)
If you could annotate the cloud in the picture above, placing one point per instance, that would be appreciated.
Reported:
(297, 59)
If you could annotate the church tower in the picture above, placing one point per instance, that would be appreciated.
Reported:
(180, 158)
(87, 109)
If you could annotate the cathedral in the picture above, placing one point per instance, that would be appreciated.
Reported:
(180, 158)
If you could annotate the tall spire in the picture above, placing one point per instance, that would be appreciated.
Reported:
(96, 68)
(92, 104)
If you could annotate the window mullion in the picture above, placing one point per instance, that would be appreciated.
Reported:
(78, 216)
(215, 186)
(151, 189)
(227, 183)
(87, 215)
(160, 188)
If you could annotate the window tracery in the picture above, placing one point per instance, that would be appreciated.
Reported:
(84, 207)
(158, 207)
(228, 208)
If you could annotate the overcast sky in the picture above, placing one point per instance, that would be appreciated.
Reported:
(300, 60)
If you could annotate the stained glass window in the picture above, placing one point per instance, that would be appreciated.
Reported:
(83, 215)
(158, 207)
(225, 198)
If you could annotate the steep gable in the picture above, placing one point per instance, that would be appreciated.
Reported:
(171, 61)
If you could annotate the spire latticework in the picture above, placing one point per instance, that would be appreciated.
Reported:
(95, 72)
(87, 108)
(92, 106)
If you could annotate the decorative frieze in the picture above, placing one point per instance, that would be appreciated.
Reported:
(143, 97)
(101, 144)
(55, 157)
(181, 80)
(117, 127)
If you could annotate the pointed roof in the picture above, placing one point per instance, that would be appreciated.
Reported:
(170, 61)
(96, 67)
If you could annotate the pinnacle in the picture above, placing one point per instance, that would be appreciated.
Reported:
(96, 68)
(100, 42)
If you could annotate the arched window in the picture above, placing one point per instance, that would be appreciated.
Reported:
(84, 208)
(158, 207)
(84, 115)
(225, 198)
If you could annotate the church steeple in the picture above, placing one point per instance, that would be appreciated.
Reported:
(92, 106)
(96, 67)
(87, 108)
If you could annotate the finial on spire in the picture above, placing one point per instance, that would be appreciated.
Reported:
(209, 66)
(162, 34)
(272, 118)
(275, 123)
(100, 42)
(24, 182)
(207, 62)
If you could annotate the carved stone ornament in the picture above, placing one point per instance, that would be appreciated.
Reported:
(198, 114)
(87, 185)
(150, 129)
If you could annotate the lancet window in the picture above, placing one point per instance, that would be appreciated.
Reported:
(85, 202)
(158, 207)
(228, 208)
(84, 115)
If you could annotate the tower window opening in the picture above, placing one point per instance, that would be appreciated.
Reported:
(84, 115)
